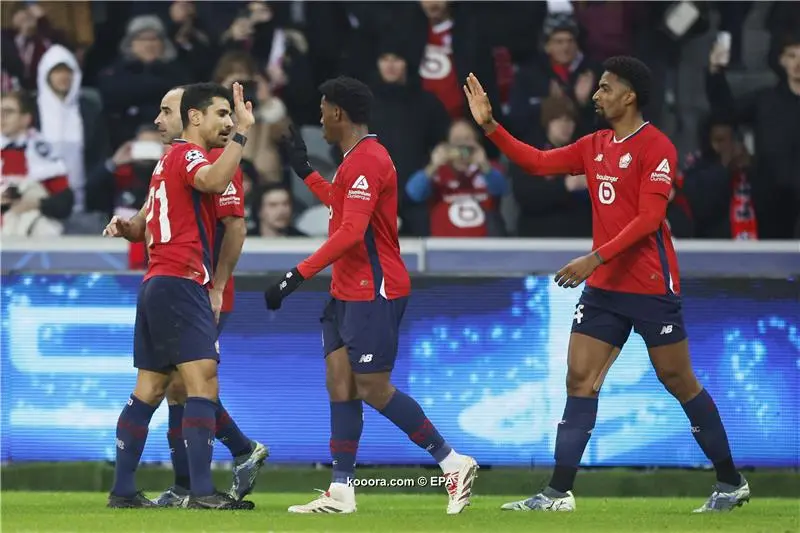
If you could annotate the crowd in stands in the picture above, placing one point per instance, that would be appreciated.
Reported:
(78, 143)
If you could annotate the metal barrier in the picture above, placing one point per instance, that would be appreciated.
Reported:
(473, 256)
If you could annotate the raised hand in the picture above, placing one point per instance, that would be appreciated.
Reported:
(479, 103)
(117, 227)
(293, 148)
(243, 110)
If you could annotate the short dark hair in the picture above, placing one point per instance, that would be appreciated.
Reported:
(272, 187)
(554, 107)
(200, 96)
(25, 101)
(353, 96)
(787, 39)
(634, 73)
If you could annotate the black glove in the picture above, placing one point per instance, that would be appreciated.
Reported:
(293, 149)
(274, 295)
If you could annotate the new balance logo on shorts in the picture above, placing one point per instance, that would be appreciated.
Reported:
(666, 330)
(365, 358)
(579, 313)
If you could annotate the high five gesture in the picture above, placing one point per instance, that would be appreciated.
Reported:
(479, 104)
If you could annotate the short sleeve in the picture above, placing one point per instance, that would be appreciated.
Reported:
(363, 181)
(658, 169)
(231, 202)
(189, 161)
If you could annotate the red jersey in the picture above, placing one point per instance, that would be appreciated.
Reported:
(629, 182)
(180, 219)
(228, 204)
(438, 70)
(362, 243)
(459, 203)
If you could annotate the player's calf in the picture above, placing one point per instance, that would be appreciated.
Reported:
(200, 422)
(672, 364)
(132, 429)
(406, 414)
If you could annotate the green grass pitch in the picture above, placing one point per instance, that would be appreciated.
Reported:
(383, 513)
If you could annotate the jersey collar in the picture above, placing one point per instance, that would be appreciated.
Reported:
(367, 136)
(637, 130)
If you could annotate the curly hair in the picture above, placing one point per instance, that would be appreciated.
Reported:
(353, 96)
(634, 73)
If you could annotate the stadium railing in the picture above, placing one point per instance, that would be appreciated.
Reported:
(498, 257)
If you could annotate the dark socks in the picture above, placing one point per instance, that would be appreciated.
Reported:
(406, 413)
(177, 447)
(229, 434)
(199, 423)
(131, 436)
(710, 434)
(347, 422)
(572, 436)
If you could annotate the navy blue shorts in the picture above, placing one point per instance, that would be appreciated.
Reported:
(369, 330)
(223, 318)
(609, 316)
(174, 324)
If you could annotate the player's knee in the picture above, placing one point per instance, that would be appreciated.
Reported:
(150, 392)
(375, 389)
(200, 379)
(339, 390)
(683, 386)
(580, 381)
(176, 391)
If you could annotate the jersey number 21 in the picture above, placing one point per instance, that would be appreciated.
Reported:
(159, 195)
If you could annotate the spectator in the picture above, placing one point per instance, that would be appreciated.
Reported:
(562, 70)
(717, 185)
(461, 187)
(446, 45)
(24, 46)
(119, 185)
(280, 52)
(409, 122)
(133, 86)
(194, 46)
(70, 119)
(275, 212)
(553, 206)
(269, 110)
(35, 190)
(774, 115)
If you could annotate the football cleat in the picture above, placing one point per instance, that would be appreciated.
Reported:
(137, 501)
(459, 485)
(174, 496)
(540, 502)
(245, 470)
(726, 497)
(218, 501)
(325, 503)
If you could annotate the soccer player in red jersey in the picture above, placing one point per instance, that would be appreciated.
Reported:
(175, 324)
(248, 455)
(369, 289)
(631, 275)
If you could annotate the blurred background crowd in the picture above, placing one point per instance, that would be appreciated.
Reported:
(82, 82)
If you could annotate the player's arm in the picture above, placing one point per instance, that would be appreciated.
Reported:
(566, 160)
(357, 210)
(214, 178)
(132, 229)
(658, 174)
(230, 250)
(295, 151)
(230, 211)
